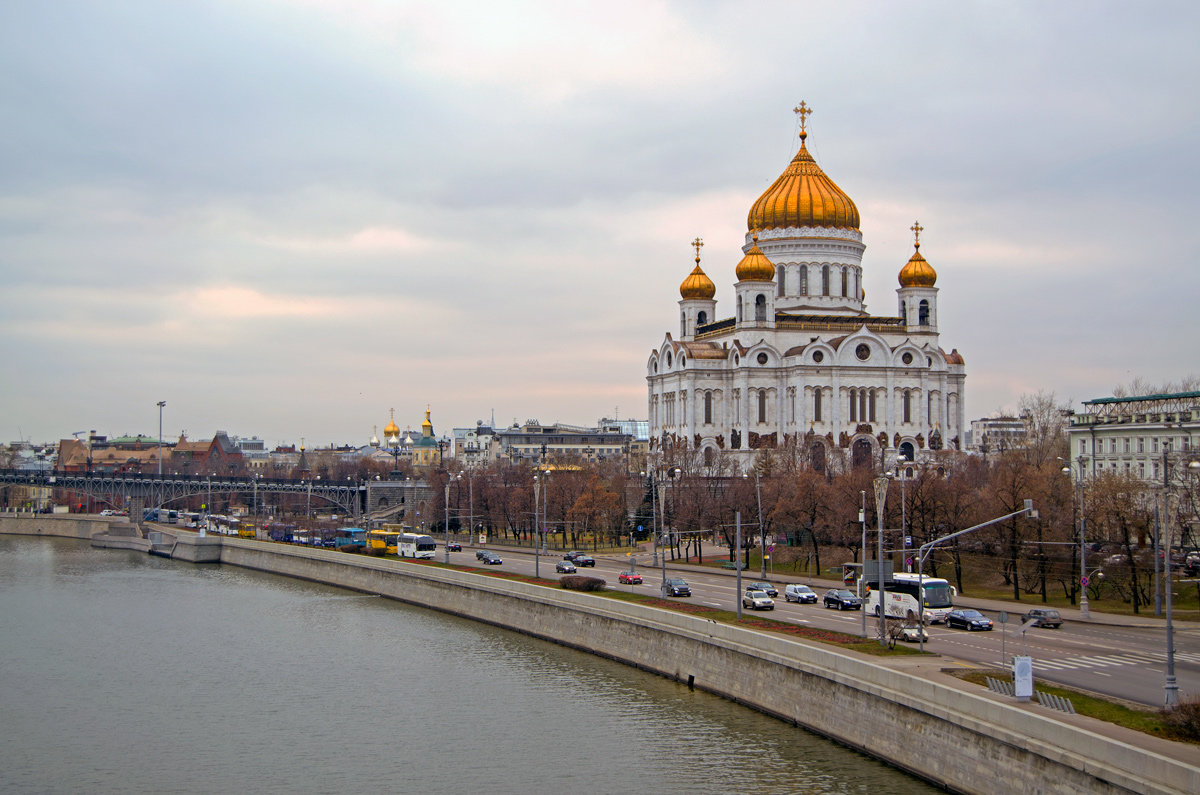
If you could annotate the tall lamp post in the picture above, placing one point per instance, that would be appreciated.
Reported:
(881, 489)
(446, 542)
(161, 404)
(1171, 685)
(1085, 611)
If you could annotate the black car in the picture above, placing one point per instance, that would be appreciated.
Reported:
(842, 600)
(454, 546)
(584, 560)
(766, 587)
(490, 558)
(565, 567)
(676, 586)
(479, 553)
(572, 555)
(1043, 617)
(968, 619)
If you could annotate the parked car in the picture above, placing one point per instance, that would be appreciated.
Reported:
(629, 578)
(585, 560)
(968, 619)
(490, 558)
(765, 587)
(454, 546)
(842, 599)
(1043, 617)
(676, 586)
(801, 594)
(565, 567)
(757, 600)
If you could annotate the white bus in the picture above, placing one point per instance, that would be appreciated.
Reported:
(902, 598)
(413, 545)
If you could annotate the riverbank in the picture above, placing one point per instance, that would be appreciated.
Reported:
(877, 707)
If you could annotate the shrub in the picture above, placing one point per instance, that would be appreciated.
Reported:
(578, 582)
(1184, 719)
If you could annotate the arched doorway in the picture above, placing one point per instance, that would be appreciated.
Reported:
(816, 458)
(907, 451)
(860, 454)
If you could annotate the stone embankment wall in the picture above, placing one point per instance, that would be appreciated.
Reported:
(962, 741)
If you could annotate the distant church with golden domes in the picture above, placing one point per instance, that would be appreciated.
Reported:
(801, 368)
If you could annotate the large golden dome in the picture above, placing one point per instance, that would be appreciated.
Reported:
(697, 285)
(803, 196)
(755, 267)
(917, 272)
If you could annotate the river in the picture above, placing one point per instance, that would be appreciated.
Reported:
(128, 673)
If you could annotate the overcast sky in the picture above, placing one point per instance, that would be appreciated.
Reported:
(286, 217)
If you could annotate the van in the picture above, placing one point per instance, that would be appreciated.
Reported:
(801, 594)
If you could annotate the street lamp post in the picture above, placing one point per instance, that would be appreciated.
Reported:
(1085, 612)
(862, 519)
(762, 534)
(161, 404)
(881, 489)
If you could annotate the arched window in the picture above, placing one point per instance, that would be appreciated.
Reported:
(853, 405)
(762, 405)
(845, 283)
(803, 280)
(739, 310)
(701, 318)
(708, 408)
(780, 274)
(906, 406)
(708, 456)
(816, 405)
(871, 406)
(923, 313)
(760, 307)
(862, 405)
(824, 280)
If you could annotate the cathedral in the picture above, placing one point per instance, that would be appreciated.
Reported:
(801, 368)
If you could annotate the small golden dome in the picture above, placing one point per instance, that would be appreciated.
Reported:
(917, 272)
(697, 285)
(755, 267)
(803, 196)
(391, 429)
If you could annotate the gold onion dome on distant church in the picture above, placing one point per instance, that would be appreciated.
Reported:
(803, 196)
(697, 285)
(917, 272)
(755, 267)
(392, 429)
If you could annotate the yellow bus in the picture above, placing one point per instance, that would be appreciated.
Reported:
(383, 542)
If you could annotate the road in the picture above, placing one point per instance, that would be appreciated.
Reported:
(1125, 662)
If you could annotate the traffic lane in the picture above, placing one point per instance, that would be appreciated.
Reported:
(1083, 656)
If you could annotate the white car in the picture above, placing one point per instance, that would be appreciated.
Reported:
(758, 600)
(800, 594)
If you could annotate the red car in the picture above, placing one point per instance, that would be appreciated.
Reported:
(629, 578)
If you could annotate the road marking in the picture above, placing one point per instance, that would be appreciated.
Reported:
(1101, 673)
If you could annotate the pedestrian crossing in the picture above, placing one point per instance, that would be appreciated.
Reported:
(1109, 660)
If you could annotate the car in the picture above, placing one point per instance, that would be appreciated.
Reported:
(565, 567)
(572, 555)
(842, 599)
(584, 560)
(765, 587)
(676, 586)
(490, 558)
(479, 553)
(912, 633)
(757, 599)
(454, 546)
(968, 619)
(1044, 618)
(629, 578)
(801, 594)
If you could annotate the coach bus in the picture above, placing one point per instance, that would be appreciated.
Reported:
(902, 594)
(415, 545)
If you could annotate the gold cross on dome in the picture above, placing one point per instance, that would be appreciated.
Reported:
(802, 111)
(696, 244)
(917, 230)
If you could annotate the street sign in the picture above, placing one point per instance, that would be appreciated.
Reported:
(1003, 617)
(908, 562)
(1084, 581)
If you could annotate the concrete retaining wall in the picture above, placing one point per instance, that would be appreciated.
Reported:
(960, 740)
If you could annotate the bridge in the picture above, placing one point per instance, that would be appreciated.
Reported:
(158, 491)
